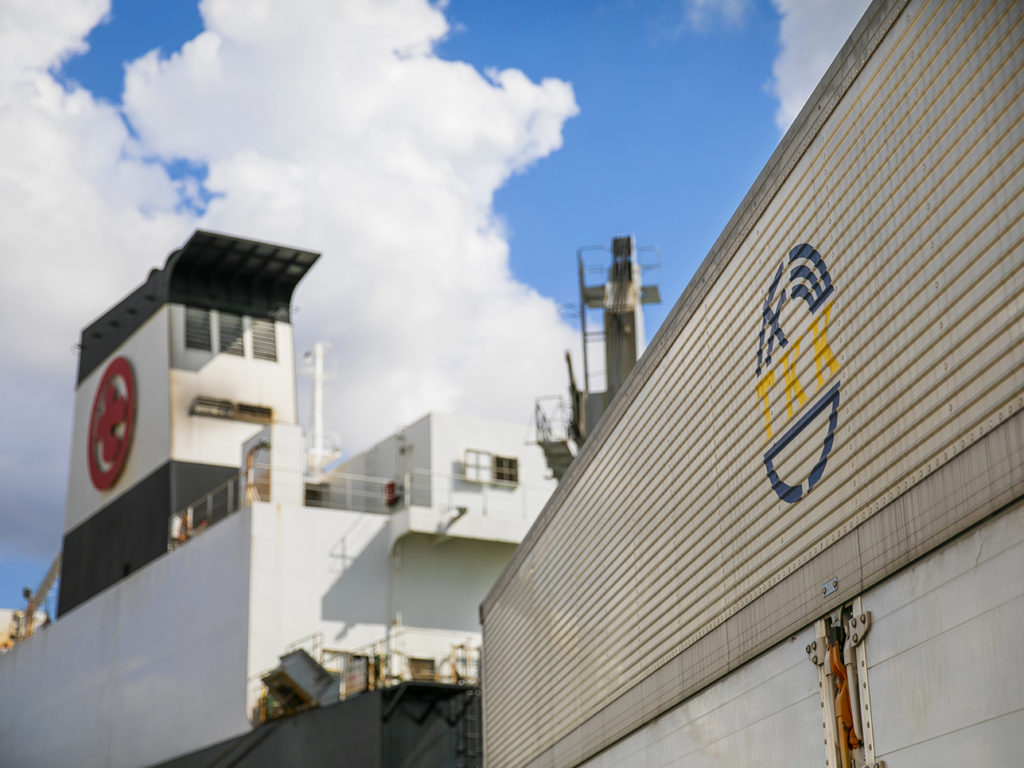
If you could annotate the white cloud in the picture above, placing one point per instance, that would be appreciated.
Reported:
(811, 32)
(39, 34)
(701, 14)
(329, 126)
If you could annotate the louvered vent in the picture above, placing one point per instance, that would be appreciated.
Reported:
(422, 670)
(225, 409)
(264, 340)
(208, 406)
(231, 334)
(260, 413)
(197, 328)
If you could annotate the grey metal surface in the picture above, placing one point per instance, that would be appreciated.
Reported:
(794, 602)
(906, 170)
(414, 724)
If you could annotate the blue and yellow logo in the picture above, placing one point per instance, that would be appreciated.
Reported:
(798, 308)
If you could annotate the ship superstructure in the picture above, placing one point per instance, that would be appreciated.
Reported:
(211, 584)
(170, 382)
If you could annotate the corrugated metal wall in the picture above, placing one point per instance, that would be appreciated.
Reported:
(909, 184)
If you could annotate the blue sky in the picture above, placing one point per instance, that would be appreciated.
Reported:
(448, 184)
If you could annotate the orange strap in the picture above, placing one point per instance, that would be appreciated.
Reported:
(844, 710)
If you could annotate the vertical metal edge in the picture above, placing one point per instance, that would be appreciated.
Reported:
(828, 714)
(865, 692)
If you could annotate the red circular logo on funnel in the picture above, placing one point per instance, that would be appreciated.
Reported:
(110, 424)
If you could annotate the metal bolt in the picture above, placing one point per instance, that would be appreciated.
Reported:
(855, 638)
(814, 644)
(853, 622)
(863, 618)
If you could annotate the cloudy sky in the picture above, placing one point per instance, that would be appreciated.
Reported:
(446, 159)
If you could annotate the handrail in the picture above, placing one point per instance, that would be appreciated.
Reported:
(377, 665)
(448, 492)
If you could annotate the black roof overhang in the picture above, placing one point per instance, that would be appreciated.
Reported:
(246, 277)
(211, 271)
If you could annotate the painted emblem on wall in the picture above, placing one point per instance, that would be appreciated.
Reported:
(800, 417)
(110, 423)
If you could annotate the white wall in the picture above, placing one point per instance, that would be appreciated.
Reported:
(147, 351)
(434, 450)
(356, 576)
(386, 459)
(439, 583)
(140, 673)
(333, 572)
(222, 376)
(315, 570)
(452, 435)
(766, 713)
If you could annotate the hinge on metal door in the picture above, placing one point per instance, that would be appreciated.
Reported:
(838, 651)
(857, 627)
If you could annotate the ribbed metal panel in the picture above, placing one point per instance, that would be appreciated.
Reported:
(197, 328)
(911, 190)
(231, 329)
(264, 340)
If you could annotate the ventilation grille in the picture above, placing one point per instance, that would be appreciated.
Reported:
(208, 406)
(422, 670)
(231, 334)
(197, 329)
(260, 413)
(225, 409)
(264, 340)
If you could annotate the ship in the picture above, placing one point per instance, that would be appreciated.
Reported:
(229, 595)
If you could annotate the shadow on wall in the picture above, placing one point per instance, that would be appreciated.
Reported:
(359, 595)
(443, 580)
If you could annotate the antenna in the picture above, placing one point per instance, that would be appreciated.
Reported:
(318, 454)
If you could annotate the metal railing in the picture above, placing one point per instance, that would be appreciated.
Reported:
(381, 664)
(552, 416)
(358, 493)
(452, 494)
(206, 510)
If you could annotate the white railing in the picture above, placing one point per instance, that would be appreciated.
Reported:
(358, 493)
(450, 493)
